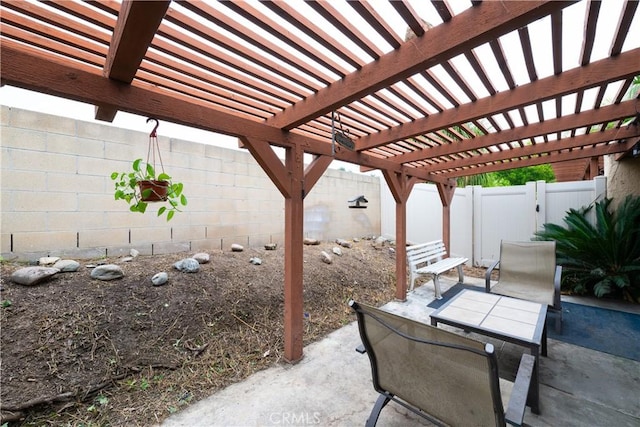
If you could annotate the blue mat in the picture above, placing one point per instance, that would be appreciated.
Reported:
(608, 331)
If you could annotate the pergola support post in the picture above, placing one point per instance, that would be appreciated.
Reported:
(446, 193)
(294, 183)
(400, 186)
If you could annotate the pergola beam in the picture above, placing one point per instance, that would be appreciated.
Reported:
(601, 115)
(542, 148)
(595, 74)
(470, 29)
(27, 70)
(582, 153)
(135, 28)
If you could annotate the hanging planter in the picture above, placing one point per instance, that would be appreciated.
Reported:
(141, 186)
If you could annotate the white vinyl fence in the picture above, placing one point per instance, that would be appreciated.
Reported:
(482, 217)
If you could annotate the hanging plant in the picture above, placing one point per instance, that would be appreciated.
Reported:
(140, 186)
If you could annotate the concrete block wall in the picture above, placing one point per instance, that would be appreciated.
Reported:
(57, 195)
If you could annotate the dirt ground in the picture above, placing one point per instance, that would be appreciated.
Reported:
(82, 352)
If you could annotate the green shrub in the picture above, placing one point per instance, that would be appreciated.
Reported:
(601, 259)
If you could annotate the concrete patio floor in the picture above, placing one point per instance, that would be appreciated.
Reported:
(331, 386)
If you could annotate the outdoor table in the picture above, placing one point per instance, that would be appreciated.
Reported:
(505, 318)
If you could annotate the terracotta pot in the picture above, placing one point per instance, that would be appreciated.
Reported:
(158, 191)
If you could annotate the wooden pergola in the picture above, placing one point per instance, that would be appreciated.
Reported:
(413, 82)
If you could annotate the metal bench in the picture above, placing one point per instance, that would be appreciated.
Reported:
(431, 259)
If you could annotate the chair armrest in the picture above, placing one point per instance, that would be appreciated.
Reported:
(556, 285)
(514, 414)
(487, 276)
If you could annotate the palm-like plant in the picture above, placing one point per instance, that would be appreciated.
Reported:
(601, 258)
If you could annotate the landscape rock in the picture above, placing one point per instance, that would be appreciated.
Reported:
(31, 276)
(337, 251)
(160, 279)
(126, 259)
(107, 272)
(67, 265)
(48, 260)
(310, 241)
(134, 252)
(271, 246)
(237, 248)
(187, 265)
(344, 243)
(380, 240)
(255, 261)
(202, 257)
(326, 258)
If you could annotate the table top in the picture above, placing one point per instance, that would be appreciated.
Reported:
(496, 314)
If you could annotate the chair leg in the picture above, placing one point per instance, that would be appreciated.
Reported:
(377, 408)
(559, 321)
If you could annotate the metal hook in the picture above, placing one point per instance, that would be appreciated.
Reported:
(153, 132)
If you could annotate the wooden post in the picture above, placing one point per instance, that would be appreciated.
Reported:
(446, 193)
(400, 186)
(293, 257)
(294, 184)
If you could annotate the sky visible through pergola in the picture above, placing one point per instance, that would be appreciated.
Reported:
(541, 42)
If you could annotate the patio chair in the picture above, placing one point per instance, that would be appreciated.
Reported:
(441, 376)
(528, 271)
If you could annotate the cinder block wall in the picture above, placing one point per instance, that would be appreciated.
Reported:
(57, 194)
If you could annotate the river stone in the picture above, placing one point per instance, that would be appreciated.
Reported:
(30, 276)
(48, 260)
(337, 251)
(237, 248)
(67, 265)
(255, 261)
(326, 258)
(107, 272)
(160, 279)
(310, 241)
(202, 257)
(187, 265)
(343, 243)
(271, 246)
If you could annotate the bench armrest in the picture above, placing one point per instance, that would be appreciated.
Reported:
(514, 414)
(487, 276)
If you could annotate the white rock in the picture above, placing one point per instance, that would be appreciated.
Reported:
(310, 241)
(134, 252)
(187, 265)
(337, 251)
(343, 243)
(160, 279)
(202, 257)
(48, 260)
(107, 272)
(30, 276)
(67, 265)
(126, 259)
(255, 261)
(237, 248)
(271, 246)
(326, 258)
